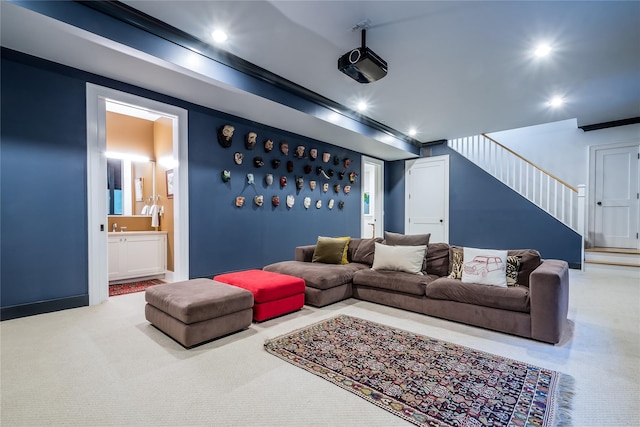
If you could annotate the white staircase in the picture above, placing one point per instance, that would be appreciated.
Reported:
(612, 256)
(563, 201)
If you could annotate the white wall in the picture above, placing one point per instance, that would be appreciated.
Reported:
(562, 148)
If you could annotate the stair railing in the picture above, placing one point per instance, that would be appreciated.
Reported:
(558, 198)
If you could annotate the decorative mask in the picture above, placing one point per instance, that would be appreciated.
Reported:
(313, 153)
(325, 187)
(312, 185)
(318, 204)
(326, 157)
(239, 201)
(336, 160)
(275, 163)
(336, 188)
(330, 205)
(347, 189)
(284, 147)
(268, 179)
(289, 166)
(347, 163)
(300, 183)
(300, 151)
(275, 201)
(283, 181)
(250, 179)
(250, 140)
(237, 157)
(306, 202)
(307, 169)
(258, 162)
(290, 201)
(330, 172)
(268, 145)
(258, 200)
(226, 175)
(353, 177)
(225, 135)
(319, 170)
(340, 205)
(340, 175)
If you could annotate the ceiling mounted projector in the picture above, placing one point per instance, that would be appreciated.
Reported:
(362, 64)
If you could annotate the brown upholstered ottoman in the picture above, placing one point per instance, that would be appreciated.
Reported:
(198, 310)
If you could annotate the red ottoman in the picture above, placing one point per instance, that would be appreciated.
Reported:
(274, 294)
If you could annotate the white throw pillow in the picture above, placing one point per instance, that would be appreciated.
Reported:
(399, 258)
(484, 267)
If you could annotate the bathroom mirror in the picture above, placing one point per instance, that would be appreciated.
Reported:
(130, 186)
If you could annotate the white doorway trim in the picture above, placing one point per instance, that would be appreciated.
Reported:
(98, 285)
(378, 198)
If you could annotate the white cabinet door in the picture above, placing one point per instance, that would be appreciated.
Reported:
(117, 266)
(132, 255)
(427, 197)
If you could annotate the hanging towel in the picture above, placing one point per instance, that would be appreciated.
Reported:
(155, 216)
(145, 210)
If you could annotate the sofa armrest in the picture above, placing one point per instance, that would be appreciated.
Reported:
(305, 253)
(549, 296)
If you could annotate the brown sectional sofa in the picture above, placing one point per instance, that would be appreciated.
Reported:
(535, 308)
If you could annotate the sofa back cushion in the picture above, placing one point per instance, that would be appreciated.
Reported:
(396, 239)
(364, 250)
(437, 259)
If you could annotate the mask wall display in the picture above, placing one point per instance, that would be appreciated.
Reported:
(340, 205)
(312, 185)
(268, 145)
(336, 160)
(347, 189)
(326, 157)
(237, 157)
(275, 201)
(258, 162)
(340, 175)
(290, 201)
(239, 201)
(283, 181)
(307, 169)
(325, 187)
(336, 188)
(250, 140)
(318, 204)
(353, 177)
(289, 166)
(275, 163)
(258, 200)
(330, 173)
(313, 154)
(300, 151)
(268, 179)
(250, 179)
(306, 202)
(284, 148)
(300, 183)
(330, 205)
(347, 163)
(225, 135)
(226, 175)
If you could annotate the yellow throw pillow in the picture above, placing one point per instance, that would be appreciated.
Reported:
(330, 250)
(346, 248)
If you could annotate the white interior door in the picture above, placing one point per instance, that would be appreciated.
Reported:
(427, 197)
(616, 197)
(372, 197)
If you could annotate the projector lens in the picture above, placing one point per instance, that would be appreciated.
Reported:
(354, 56)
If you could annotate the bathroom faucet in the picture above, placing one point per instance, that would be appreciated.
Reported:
(115, 226)
(122, 229)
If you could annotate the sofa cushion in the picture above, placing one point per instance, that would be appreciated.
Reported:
(529, 261)
(456, 258)
(331, 250)
(395, 239)
(318, 275)
(397, 281)
(365, 251)
(399, 258)
(513, 267)
(514, 298)
(485, 267)
(437, 259)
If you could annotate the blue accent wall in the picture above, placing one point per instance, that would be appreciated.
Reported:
(394, 196)
(43, 210)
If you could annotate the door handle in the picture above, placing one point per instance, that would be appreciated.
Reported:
(442, 220)
(599, 203)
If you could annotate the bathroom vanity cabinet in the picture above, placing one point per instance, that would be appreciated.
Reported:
(137, 254)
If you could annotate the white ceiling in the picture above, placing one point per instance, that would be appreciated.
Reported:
(455, 68)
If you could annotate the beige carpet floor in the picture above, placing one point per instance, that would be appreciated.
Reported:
(105, 365)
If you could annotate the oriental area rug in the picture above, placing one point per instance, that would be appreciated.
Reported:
(129, 288)
(427, 381)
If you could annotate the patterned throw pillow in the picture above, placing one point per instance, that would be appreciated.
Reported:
(456, 269)
(513, 267)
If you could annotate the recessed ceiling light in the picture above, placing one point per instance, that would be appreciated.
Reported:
(362, 106)
(542, 50)
(219, 36)
(556, 101)
(412, 132)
